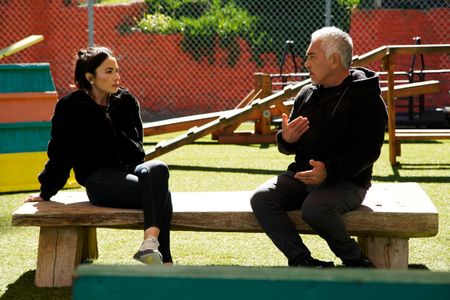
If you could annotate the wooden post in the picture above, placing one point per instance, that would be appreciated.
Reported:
(386, 253)
(388, 66)
(59, 253)
(263, 83)
(90, 248)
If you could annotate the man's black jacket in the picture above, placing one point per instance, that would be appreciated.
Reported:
(347, 127)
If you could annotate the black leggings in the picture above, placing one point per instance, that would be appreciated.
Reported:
(144, 186)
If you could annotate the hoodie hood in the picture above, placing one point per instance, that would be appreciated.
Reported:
(365, 77)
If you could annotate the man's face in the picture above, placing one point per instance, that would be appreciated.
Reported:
(320, 68)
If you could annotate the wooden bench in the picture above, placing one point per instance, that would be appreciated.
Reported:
(389, 216)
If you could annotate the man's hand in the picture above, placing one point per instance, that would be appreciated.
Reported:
(34, 198)
(292, 131)
(315, 176)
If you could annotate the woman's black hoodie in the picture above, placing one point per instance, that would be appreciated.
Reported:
(87, 137)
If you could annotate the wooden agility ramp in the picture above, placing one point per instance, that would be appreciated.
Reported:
(227, 119)
(262, 104)
(20, 45)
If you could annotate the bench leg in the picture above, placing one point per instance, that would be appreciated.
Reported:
(59, 253)
(90, 248)
(387, 253)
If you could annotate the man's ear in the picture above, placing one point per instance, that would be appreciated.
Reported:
(89, 76)
(335, 59)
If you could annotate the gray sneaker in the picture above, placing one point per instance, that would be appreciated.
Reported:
(149, 257)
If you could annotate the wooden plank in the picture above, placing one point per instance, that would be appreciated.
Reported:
(398, 210)
(179, 124)
(21, 45)
(369, 57)
(422, 134)
(187, 122)
(380, 52)
(419, 49)
(413, 89)
(244, 138)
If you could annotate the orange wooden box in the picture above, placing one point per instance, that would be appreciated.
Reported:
(27, 107)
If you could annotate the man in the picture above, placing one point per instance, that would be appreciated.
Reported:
(336, 130)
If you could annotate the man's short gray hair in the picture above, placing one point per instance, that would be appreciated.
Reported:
(334, 40)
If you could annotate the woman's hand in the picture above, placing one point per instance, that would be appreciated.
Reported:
(34, 198)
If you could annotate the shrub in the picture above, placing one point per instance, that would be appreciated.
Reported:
(159, 23)
(265, 24)
(202, 23)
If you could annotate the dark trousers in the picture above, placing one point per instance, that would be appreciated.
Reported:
(144, 186)
(322, 208)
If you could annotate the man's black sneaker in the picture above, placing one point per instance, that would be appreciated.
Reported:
(314, 263)
(362, 262)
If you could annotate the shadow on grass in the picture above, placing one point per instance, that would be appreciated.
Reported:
(417, 142)
(396, 177)
(229, 170)
(24, 288)
(424, 166)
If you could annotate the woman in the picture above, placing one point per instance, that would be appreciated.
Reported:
(97, 131)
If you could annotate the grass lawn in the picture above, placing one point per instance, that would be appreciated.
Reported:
(208, 166)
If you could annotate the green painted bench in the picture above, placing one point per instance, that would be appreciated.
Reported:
(389, 216)
(262, 283)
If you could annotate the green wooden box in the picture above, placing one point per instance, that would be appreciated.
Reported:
(32, 77)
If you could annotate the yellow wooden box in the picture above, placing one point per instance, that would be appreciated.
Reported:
(19, 171)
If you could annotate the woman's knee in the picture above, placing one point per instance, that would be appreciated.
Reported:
(160, 170)
(156, 169)
(257, 201)
(263, 201)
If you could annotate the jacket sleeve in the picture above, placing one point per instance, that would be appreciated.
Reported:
(283, 146)
(57, 169)
(369, 119)
(138, 122)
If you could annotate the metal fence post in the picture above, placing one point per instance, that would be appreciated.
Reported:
(327, 12)
(90, 8)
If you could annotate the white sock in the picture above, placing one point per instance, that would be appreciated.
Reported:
(150, 243)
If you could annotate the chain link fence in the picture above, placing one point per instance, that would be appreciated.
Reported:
(196, 56)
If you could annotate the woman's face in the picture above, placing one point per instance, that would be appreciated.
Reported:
(106, 79)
